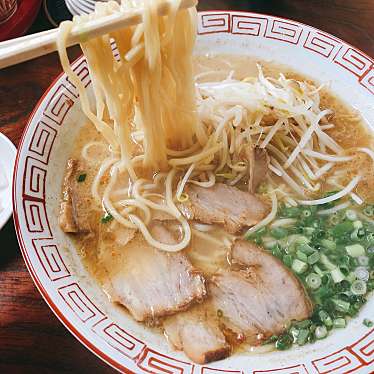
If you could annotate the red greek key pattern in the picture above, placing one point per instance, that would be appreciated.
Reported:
(42, 142)
(119, 339)
(214, 23)
(60, 104)
(34, 181)
(342, 361)
(157, 363)
(50, 259)
(81, 69)
(297, 369)
(80, 303)
(247, 25)
(322, 44)
(368, 80)
(364, 348)
(353, 61)
(289, 32)
(36, 218)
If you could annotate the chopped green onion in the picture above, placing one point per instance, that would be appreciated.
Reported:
(308, 231)
(261, 231)
(303, 324)
(355, 250)
(291, 212)
(277, 251)
(337, 275)
(339, 323)
(341, 305)
(269, 244)
(294, 331)
(334, 219)
(351, 214)
(354, 235)
(345, 260)
(326, 279)
(361, 273)
(81, 177)
(369, 210)
(351, 277)
(343, 228)
(272, 339)
(306, 213)
(278, 232)
(219, 313)
(370, 285)
(328, 244)
(311, 337)
(298, 266)
(106, 218)
(183, 197)
(357, 234)
(302, 336)
(301, 239)
(363, 260)
(284, 342)
(367, 322)
(327, 263)
(344, 270)
(321, 332)
(325, 318)
(305, 248)
(313, 281)
(288, 259)
(301, 256)
(318, 270)
(335, 260)
(313, 258)
(370, 237)
(358, 287)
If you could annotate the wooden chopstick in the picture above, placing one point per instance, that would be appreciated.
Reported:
(22, 49)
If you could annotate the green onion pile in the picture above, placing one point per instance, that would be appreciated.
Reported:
(333, 256)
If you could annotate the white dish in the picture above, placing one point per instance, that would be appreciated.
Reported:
(7, 159)
(56, 267)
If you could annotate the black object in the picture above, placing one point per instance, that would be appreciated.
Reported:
(56, 11)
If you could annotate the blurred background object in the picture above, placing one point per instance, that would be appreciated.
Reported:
(77, 7)
(7, 9)
(16, 17)
(56, 11)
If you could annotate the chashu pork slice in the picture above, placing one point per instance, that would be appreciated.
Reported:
(150, 283)
(197, 334)
(74, 215)
(225, 205)
(261, 296)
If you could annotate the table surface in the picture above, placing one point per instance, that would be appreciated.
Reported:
(31, 337)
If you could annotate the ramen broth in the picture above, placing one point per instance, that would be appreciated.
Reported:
(207, 256)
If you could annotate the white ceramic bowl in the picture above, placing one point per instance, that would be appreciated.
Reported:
(57, 269)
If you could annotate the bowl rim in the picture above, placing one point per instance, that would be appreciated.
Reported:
(58, 313)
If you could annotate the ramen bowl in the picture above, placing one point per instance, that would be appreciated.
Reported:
(57, 269)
